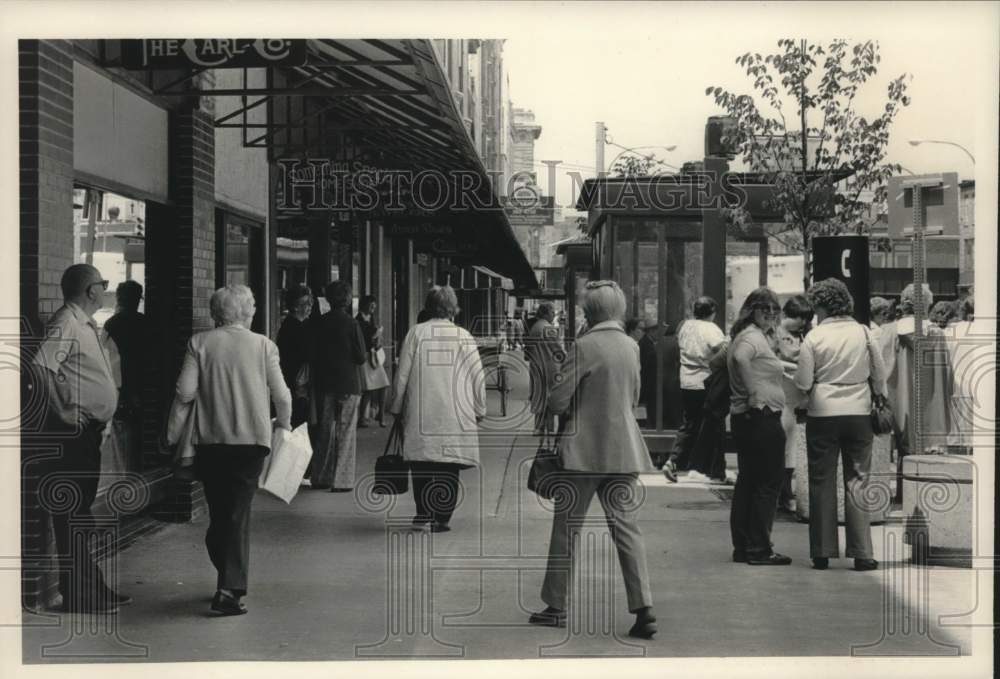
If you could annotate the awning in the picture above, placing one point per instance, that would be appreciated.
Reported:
(382, 104)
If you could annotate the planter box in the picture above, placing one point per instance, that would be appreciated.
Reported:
(938, 503)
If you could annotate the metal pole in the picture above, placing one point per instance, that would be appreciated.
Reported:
(916, 412)
(600, 134)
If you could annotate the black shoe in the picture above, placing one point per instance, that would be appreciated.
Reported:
(550, 617)
(121, 599)
(865, 564)
(109, 608)
(438, 527)
(739, 556)
(644, 627)
(341, 490)
(320, 486)
(821, 563)
(227, 605)
(773, 559)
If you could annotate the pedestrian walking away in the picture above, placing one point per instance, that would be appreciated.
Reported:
(232, 376)
(340, 351)
(758, 397)
(441, 404)
(82, 398)
(603, 456)
(839, 367)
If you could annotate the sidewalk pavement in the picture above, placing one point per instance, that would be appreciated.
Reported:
(321, 576)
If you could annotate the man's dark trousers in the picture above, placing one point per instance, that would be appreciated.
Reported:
(74, 475)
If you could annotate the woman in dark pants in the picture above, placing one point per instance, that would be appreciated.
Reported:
(296, 345)
(699, 339)
(232, 375)
(836, 362)
(757, 399)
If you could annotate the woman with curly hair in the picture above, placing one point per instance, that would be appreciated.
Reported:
(839, 366)
(758, 397)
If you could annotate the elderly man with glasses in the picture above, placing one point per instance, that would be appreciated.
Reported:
(81, 397)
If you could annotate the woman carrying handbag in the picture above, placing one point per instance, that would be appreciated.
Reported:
(840, 371)
(373, 376)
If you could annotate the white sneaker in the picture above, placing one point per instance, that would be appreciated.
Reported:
(697, 477)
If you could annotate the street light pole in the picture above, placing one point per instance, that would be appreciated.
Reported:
(918, 142)
(600, 138)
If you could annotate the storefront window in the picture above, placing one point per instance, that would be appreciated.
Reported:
(239, 258)
(109, 232)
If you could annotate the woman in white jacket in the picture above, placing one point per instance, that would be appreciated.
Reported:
(440, 393)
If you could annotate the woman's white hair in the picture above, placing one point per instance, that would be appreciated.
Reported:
(907, 299)
(231, 305)
(603, 301)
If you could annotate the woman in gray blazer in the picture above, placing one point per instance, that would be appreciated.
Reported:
(602, 454)
(232, 375)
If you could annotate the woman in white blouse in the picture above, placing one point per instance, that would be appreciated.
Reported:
(839, 365)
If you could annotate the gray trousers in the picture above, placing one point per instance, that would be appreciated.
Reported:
(848, 437)
(617, 493)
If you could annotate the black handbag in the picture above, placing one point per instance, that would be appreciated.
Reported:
(546, 467)
(883, 420)
(392, 472)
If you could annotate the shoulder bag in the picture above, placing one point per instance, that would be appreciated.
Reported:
(392, 473)
(546, 467)
(883, 420)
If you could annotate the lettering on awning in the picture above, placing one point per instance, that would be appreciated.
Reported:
(172, 53)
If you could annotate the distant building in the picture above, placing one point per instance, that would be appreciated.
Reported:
(784, 276)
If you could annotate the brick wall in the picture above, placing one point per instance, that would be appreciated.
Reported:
(46, 249)
(46, 178)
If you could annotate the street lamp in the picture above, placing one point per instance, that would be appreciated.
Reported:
(918, 142)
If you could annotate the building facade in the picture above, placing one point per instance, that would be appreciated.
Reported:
(186, 177)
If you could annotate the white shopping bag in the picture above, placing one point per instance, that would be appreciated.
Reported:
(285, 467)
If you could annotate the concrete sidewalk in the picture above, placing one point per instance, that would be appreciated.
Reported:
(320, 583)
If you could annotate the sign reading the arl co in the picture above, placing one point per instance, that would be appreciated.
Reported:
(170, 53)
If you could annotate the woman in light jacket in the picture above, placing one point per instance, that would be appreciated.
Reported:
(232, 375)
(602, 454)
(837, 361)
(440, 393)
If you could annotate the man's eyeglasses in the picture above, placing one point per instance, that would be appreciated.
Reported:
(769, 310)
(103, 284)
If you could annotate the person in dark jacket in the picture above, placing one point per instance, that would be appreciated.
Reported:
(340, 350)
(709, 452)
(296, 345)
(647, 371)
(673, 409)
(129, 329)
